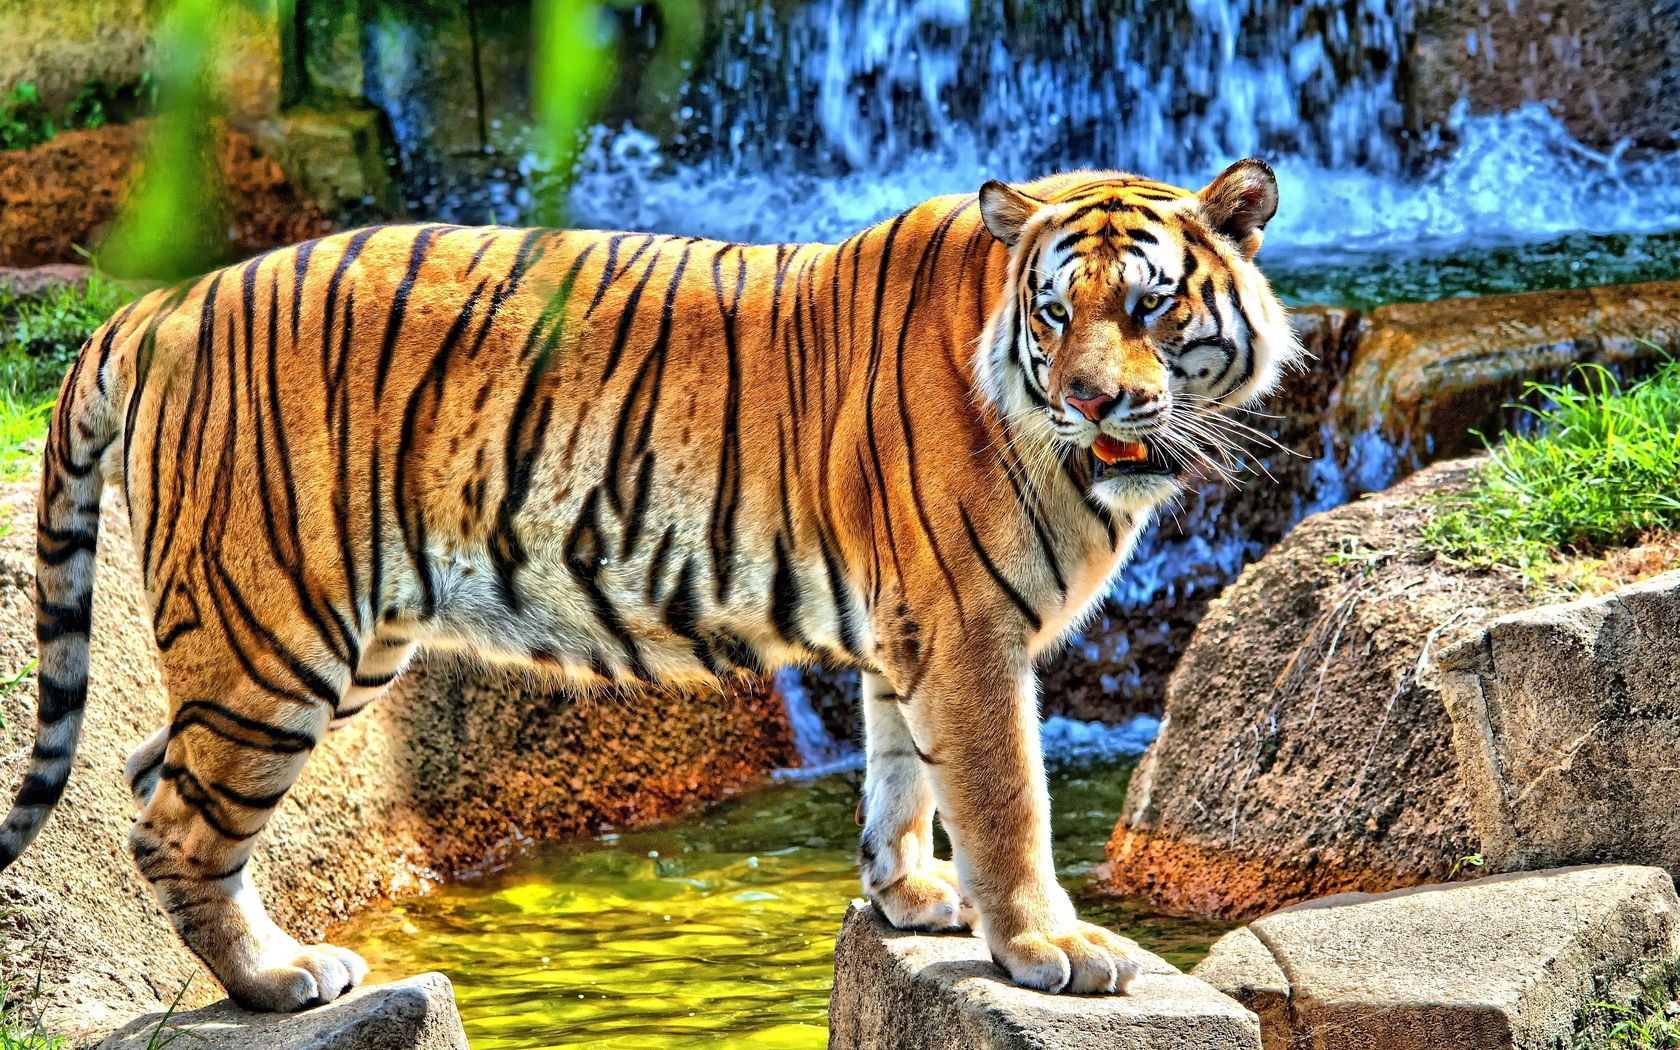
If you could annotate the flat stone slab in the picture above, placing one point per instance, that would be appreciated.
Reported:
(1508, 962)
(906, 991)
(413, 1014)
(1566, 720)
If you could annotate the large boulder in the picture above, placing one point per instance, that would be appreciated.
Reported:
(1510, 962)
(59, 47)
(1304, 748)
(905, 991)
(416, 1014)
(452, 773)
(1566, 719)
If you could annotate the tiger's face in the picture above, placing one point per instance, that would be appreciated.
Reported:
(1137, 315)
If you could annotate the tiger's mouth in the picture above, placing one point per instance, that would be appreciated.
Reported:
(1112, 457)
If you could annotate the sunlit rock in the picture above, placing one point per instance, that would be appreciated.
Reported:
(1304, 749)
(1426, 376)
(1567, 723)
(415, 1014)
(1511, 962)
(907, 991)
(64, 195)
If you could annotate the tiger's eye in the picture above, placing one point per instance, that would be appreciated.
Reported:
(1056, 312)
(1150, 301)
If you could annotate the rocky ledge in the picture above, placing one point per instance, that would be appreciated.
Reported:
(1566, 720)
(1510, 962)
(908, 991)
(1305, 749)
(416, 1014)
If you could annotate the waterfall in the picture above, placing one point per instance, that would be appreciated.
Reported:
(1157, 85)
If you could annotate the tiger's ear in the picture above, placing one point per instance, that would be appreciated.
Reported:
(1006, 210)
(1240, 202)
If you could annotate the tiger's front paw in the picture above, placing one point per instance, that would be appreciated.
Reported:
(929, 900)
(293, 977)
(1080, 958)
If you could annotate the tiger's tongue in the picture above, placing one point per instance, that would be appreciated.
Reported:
(1113, 450)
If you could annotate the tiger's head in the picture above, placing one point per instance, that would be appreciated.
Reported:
(1134, 315)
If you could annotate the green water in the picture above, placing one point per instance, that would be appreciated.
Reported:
(1426, 272)
(717, 932)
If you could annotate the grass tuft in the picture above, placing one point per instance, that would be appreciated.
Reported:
(1596, 473)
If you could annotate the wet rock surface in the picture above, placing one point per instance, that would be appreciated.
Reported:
(903, 991)
(1425, 376)
(1609, 70)
(415, 1014)
(1510, 962)
(1304, 749)
(1566, 720)
(451, 774)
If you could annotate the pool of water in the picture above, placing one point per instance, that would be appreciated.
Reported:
(713, 932)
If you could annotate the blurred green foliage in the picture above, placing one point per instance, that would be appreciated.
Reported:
(171, 223)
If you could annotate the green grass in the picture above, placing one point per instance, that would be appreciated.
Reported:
(1598, 472)
(25, 121)
(39, 338)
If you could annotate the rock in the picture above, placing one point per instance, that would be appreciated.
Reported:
(1510, 962)
(38, 280)
(903, 991)
(339, 158)
(418, 788)
(416, 1014)
(1424, 376)
(1304, 749)
(1566, 720)
(59, 47)
(65, 193)
(1609, 70)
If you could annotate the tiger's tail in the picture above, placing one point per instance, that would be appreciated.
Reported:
(67, 531)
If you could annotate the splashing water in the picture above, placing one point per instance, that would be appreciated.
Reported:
(1515, 176)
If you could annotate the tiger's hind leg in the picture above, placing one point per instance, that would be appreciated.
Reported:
(226, 764)
(912, 889)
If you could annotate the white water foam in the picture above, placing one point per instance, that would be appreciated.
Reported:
(1513, 177)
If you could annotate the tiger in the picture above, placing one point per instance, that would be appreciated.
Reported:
(924, 453)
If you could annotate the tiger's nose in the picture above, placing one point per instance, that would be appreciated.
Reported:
(1091, 407)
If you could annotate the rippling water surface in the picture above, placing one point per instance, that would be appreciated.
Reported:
(715, 932)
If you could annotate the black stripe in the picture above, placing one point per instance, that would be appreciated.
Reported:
(58, 700)
(785, 598)
(42, 790)
(399, 308)
(585, 552)
(997, 575)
